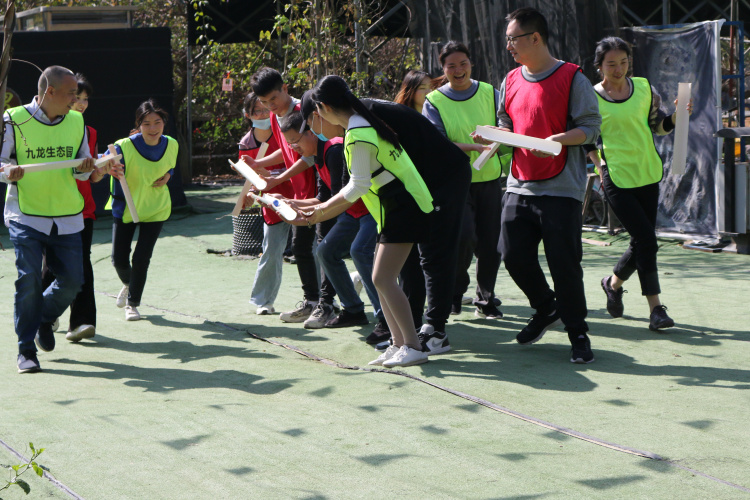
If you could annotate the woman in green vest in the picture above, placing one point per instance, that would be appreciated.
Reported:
(631, 112)
(148, 160)
(383, 175)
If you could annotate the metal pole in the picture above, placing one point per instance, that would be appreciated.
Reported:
(427, 38)
(9, 24)
(358, 43)
(189, 84)
(666, 11)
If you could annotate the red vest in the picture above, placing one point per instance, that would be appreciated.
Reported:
(539, 109)
(358, 209)
(84, 187)
(303, 183)
(284, 189)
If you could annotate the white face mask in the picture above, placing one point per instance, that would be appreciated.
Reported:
(262, 124)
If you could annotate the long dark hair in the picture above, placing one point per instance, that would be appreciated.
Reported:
(610, 43)
(333, 91)
(409, 87)
(146, 108)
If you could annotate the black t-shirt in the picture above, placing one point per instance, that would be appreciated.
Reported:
(442, 165)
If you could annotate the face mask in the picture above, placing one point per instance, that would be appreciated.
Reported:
(319, 135)
(262, 124)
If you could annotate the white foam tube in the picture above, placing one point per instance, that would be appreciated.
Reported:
(279, 206)
(681, 128)
(486, 155)
(125, 189)
(249, 174)
(246, 188)
(55, 165)
(518, 140)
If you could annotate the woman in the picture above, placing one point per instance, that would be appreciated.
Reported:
(413, 90)
(267, 279)
(456, 109)
(395, 195)
(631, 170)
(148, 160)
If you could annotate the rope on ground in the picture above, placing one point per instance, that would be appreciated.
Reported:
(47, 475)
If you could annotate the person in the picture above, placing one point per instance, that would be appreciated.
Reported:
(631, 170)
(548, 99)
(415, 87)
(273, 93)
(43, 210)
(353, 231)
(148, 161)
(456, 108)
(267, 280)
(395, 195)
(82, 322)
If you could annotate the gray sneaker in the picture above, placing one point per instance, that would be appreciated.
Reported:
(299, 315)
(320, 316)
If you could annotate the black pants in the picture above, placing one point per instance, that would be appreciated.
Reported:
(556, 222)
(430, 270)
(636, 208)
(302, 247)
(83, 307)
(122, 239)
(480, 232)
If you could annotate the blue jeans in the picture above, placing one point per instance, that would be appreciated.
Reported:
(268, 276)
(33, 304)
(356, 237)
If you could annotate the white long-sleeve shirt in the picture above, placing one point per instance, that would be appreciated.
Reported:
(65, 225)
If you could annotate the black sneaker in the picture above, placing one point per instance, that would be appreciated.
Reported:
(537, 327)
(380, 334)
(346, 319)
(433, 342)
(455, 308)
(580, 351)
(28, 362)
(615, 307)
(660, 319)
(490, 311)
(45, 337)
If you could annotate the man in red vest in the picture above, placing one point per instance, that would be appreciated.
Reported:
(549, 99)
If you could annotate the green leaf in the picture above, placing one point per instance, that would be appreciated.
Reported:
(37, 469)
(31, 447)
(15, 467)
(23, 485)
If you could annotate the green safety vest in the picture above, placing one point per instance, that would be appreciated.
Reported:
(460, 119)
(628, 143)
(51, 193)
(153, 204)
(392, 160)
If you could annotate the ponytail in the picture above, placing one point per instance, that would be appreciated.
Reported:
(333, 91)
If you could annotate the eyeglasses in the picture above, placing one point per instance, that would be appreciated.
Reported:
(512, 39)
(295, 144)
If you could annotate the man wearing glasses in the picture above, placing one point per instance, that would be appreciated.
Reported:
(549, 99)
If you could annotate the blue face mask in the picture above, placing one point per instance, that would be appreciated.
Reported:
(262, 124)
(319, 135)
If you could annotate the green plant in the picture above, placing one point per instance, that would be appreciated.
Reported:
(15, 471)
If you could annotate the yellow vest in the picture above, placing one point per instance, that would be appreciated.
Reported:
(460, 119)
(153, 204)
(392, 160)
(51, 193)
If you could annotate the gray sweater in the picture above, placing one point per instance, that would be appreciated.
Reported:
(584, 114)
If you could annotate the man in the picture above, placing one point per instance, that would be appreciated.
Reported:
(43, 210)
(273, 93)
(550, 99)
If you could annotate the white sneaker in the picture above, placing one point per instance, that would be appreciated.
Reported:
(263, 310)
(132, 314)
(300, 314)
(388, 354)
(356, 281)
(466, 300)
(122, 297)
(320, 316)
(406, 356)
(80, 333)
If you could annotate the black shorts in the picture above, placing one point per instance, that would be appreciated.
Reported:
(403, 220)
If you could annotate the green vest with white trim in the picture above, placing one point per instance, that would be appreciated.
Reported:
(628, 142)
(50, 193)
(153, 204)
(393, 161)
(460, 119)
